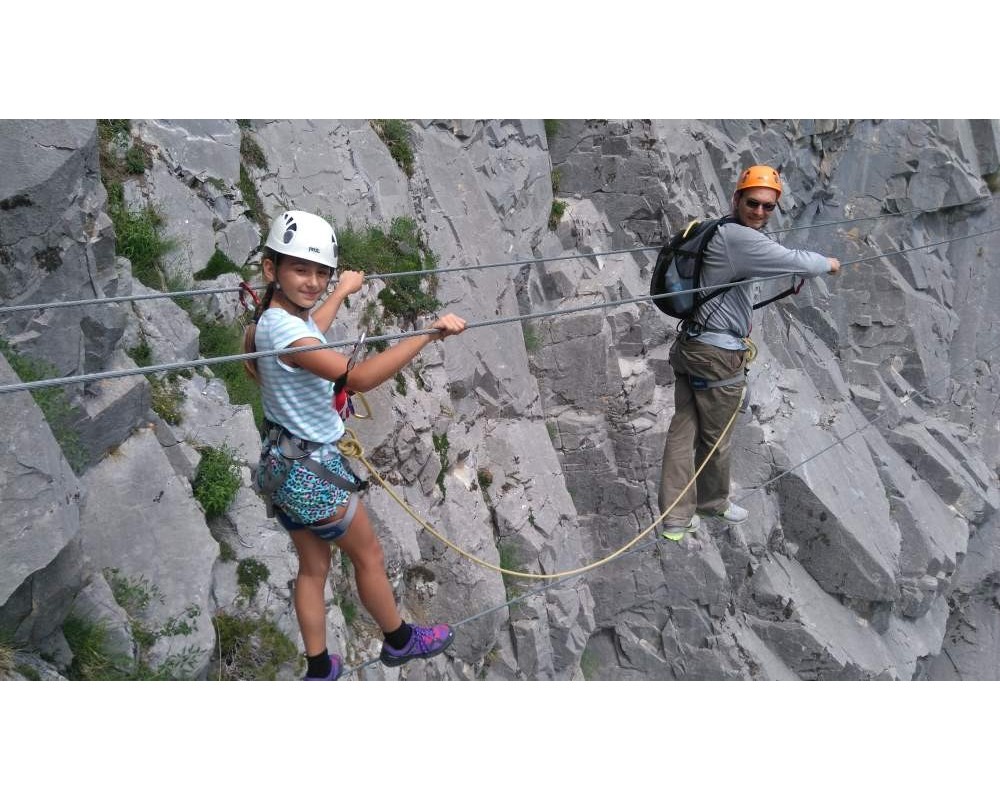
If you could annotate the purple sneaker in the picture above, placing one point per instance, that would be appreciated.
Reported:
(335, 669)
(424, 643)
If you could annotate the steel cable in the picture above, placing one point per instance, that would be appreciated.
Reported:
(429, 273)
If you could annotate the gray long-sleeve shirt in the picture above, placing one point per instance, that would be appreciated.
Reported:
(735, 253)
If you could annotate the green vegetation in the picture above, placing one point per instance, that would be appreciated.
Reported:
(6, 660)
(555, 215)
(216, 480)
(531, 339)
(226, 552)
(114, 132)
(348, 609)
(251, 648)
(251, 157)
(55, 406)
(217, 339)
(400, 250)
(509, 560)
(993, 182)
(255, 208)
(137, 232)
(139, 238)
(166, 398)
(135, 160)
(250, 152)
(250, 574)
(441, 448)
(397, 136)
(141, 354)
(29, 672)
(400, 384)
(220, 264)
(551, 128)
(485, 478)
(589, 665)
(93, 657)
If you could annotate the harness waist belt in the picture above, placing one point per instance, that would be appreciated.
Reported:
(698, 384)
(295, 448)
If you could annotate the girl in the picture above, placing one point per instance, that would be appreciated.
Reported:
(314, 492)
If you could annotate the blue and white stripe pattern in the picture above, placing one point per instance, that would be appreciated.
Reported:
(294, 397)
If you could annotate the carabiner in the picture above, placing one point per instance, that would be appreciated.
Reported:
(246, 288)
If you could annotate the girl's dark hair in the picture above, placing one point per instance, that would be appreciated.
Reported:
(250, 334)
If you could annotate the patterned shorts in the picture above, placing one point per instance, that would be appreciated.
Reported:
(304, 496)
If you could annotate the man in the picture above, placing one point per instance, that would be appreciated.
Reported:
(711, 350)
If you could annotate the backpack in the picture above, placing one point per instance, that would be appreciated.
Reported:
(678, 268)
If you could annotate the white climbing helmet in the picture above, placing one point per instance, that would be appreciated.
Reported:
(304, 235)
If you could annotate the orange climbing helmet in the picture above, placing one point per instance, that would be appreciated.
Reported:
(759, 175)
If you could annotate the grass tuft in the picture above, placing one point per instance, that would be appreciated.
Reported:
(219, 264)
(251, 648)
(556, 214)
(250, 574)
(401, 249)
(216, 480)
(398, 137)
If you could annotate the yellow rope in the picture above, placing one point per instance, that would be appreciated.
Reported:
(352, 449)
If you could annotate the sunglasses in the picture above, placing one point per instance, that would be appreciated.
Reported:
(768, 207)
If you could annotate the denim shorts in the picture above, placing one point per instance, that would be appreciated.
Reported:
(328, 533)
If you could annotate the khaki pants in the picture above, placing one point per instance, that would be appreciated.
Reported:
(699, 418)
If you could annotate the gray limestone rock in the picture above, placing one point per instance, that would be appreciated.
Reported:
(892, 575)
(143, 521)
(40, 494)
(208, 419)
(164, 327)
(338, 169)
(112, 408)
(56, 243)
(970, 649)
(810, 631)
(188, 223)
(199, 148)
(96, 604)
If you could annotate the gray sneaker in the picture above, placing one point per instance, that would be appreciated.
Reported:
(676, 532)
(733, 514)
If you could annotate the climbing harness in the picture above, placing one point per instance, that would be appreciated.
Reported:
(700, 384)
(288, 449)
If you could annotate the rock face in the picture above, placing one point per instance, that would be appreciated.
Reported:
(41, 503)
(869, 457)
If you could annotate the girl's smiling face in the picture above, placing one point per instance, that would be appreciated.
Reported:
(301, 282)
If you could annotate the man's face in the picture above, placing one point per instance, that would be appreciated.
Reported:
(755, 205)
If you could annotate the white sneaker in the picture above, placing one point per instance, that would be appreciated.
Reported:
(676, 532)
(733, 514)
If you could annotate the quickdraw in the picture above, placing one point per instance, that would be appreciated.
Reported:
(249, 310)
(343, 398)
